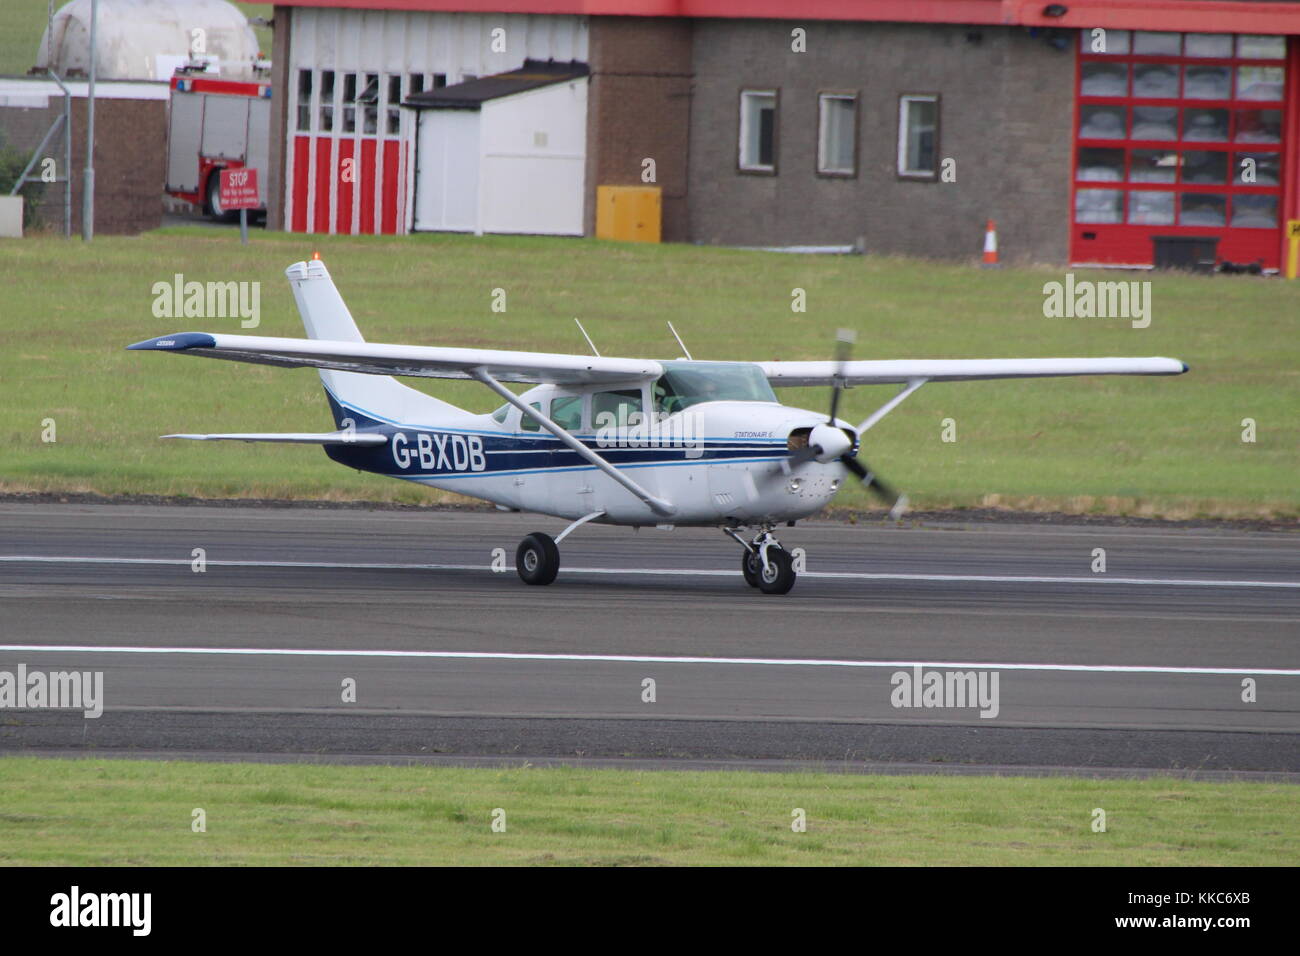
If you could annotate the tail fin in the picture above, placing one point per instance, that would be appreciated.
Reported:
(380, 397)
(324, 314)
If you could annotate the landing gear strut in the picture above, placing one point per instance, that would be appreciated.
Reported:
(538, 557)
(765, 564)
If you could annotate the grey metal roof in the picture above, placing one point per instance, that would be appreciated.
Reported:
(534, 74)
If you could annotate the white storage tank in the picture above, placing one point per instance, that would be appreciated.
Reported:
(148, 39)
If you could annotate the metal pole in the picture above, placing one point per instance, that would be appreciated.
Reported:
(88, 186)
(67, 156)
(243, 226)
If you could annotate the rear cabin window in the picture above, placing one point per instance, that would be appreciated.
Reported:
(616, 408)
(566, 411)
(526, 422)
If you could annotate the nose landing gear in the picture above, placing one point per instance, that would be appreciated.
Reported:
(765, 564)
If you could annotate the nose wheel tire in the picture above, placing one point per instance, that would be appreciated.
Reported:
(778, 576)
(538, 559)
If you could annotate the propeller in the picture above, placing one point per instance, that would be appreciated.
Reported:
(897, 502)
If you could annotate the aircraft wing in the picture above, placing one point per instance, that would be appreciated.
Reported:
(903, 371)
(420, 361)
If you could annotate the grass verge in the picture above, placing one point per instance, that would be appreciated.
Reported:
(118, 812)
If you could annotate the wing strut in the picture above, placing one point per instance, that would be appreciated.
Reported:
(657, 505)
(912, 385)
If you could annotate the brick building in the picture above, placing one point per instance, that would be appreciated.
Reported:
(130, 134)
(1085, 129)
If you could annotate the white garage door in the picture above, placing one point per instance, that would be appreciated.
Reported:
(447, 170)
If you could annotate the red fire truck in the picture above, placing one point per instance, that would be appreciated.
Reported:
(216, 124)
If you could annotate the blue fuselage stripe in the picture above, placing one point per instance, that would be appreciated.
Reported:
(438, 452)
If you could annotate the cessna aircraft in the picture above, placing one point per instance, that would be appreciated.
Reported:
(612, 440)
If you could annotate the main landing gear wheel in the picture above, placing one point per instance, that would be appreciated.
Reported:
(538, 559)
(751, 566)
(778, 577)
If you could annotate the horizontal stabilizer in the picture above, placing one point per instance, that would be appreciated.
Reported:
(294, 438)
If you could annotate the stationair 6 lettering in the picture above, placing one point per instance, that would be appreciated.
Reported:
(436, 452)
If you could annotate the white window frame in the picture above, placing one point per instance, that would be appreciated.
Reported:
(905, 102)
(754, 167)
(822, 168)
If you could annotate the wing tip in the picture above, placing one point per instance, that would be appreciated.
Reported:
(178, 342)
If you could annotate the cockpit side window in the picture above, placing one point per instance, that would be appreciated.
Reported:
(499, 416)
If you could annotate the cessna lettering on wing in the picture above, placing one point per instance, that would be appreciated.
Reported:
(437, 452)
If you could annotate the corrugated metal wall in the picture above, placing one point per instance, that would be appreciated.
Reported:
(350, 155)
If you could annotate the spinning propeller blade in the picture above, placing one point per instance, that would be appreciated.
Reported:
(897, 502)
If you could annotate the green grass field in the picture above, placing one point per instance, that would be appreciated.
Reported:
(23, 22)
(1145, 446)
(99, 812)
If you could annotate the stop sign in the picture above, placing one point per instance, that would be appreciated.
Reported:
(239, 189)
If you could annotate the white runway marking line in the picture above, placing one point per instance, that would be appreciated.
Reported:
(635, 659)
(694, 572)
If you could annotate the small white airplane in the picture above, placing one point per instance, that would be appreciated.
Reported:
(612, 440)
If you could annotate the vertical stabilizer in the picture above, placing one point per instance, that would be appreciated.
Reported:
(325, 316)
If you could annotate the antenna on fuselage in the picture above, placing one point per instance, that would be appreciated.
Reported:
(680, 342)
(587, 337)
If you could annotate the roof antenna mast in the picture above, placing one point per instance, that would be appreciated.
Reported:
(587, 337)
(685, 351)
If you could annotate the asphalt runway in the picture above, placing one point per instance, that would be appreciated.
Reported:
(1137, 669)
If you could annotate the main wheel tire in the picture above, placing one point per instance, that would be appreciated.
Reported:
(538, 559)
(214, 207)
(778, 576)
(750, 566)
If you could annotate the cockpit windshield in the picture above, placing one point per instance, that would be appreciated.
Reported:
(684, 384)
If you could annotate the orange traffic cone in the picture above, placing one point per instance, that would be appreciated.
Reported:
(990, 245)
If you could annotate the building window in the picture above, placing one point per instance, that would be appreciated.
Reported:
(304, 101)
(416, 84)
(837, 136)
(326, 101)
(758, 131)
(918, 135)
(369, 99)
(393, 110)
(349, 103)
